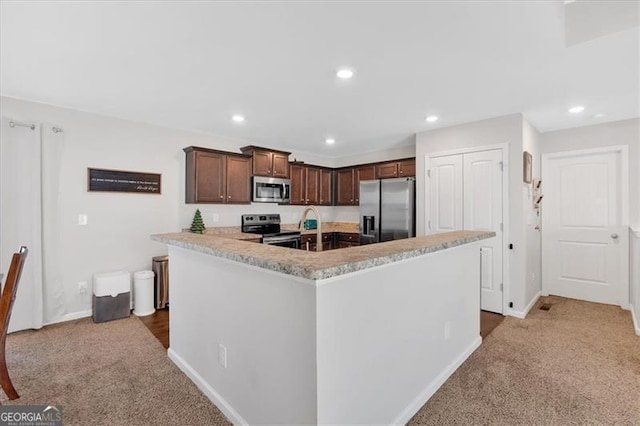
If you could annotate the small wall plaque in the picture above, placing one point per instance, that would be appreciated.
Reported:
(104, 180)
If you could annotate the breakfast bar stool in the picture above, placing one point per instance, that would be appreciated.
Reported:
(6, 304)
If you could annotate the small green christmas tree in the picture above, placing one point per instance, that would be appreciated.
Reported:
(197, 226)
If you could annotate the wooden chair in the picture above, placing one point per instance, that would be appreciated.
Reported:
(6, 304)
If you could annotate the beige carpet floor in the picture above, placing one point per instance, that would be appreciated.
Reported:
(578, 363)
(114, 373)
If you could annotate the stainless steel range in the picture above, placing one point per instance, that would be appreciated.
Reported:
(268, 225)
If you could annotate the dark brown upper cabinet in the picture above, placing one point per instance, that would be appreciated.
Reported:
(310, 185)
(407, 168)
(344, 187)
(298, 184)
(217, 177)
(326, 187)
(268, 162)
(393, 169)
(387, 170)
(313, 185)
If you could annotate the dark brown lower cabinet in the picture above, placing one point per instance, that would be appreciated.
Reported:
(348, 239)
(346, 244)
(330, 241)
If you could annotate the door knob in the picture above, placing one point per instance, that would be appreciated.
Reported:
(614, 236)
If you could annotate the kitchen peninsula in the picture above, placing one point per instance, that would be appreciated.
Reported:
(358, 335)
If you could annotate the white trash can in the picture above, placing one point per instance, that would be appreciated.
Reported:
(143, 293)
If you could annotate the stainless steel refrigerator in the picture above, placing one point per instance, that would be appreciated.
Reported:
(387, 210)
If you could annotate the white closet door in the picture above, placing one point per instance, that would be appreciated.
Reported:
(585, 244)
(483, 212)
(446, 199)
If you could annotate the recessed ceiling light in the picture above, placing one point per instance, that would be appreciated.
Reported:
(237, 118)
(576, 109)
(344, 73)
(330, 141)
(432, 118)
(600, 115)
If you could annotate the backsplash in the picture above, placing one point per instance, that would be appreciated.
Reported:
(229, 215)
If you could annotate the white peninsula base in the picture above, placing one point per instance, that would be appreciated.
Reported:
(366, 347)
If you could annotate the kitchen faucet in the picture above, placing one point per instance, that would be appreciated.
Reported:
(306, 211)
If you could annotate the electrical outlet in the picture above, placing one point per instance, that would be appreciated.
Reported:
(82, 287)
(447, 330)
(216, 217)
(82, 219)
(222, 355)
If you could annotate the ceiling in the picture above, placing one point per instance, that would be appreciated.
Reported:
(192, 65)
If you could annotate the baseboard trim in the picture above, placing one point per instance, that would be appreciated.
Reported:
(435, 384)
(72, 316)
(226, 408)
(523, 314)
(636, 321)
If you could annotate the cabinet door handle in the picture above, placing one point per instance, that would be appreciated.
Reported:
(229, 197)
(401, 172)
(268, 171)
(222, 196)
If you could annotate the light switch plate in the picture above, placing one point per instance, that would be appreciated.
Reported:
(82, 219)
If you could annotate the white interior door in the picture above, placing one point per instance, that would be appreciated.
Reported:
(585, 242)
(466, 193)
(483, 212)
(446, 199)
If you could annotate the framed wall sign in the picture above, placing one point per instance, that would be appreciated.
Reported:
(527, 161)
(104, 180)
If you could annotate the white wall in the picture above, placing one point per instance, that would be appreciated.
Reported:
(533, 269)
(507, 129)
(119, 225)
(375, 156)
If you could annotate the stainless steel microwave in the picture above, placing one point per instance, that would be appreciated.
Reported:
(271, 190)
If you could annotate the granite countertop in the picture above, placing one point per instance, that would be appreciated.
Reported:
(319, 265)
